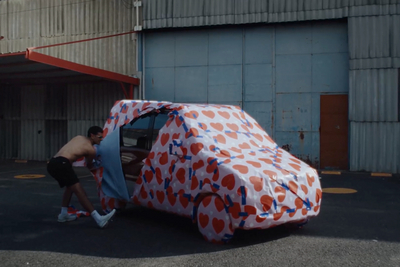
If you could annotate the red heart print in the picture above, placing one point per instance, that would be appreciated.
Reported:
(215, 176)
(244, 146)
(196, 147)
(150, 205)
(237, 150)
(219, 204)
(184, 201)
(143, 193)
(318, 195)
(160, 196)
(254, 163)
(217, 126)
(239, 191)
(223, 154)
(260, 219)
(281, 193)
(195, 183)
(295, 160)
(295, 166)
(209, 114)
(220, 139)
(206, 201)
(228, 181)
(232, 135)
(250, 210)
(198, 165)
(151, 155)
(247, 130)
(257, 183)
(192, 132)
(304, 188)
(218, 225)
(266, 202)
(310, 179)
(178, 121)
(234, 210)
(145, 105)
(164, 158)
(241, 168)
(159, 176)
(180, 174)
(105, 132)
(268, 161)
(272, 175)
(299, 203)
(171, 199)
(149, 176)
(293, 187)
(258, 136)
(224, 114)
(176, 136)
(168, 122)
(203, 220)
(192, 114)
(233, 127)
(164, 138)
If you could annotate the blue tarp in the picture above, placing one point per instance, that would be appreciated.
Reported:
(113, 183)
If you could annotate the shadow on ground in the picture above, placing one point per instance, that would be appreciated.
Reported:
(29, 209)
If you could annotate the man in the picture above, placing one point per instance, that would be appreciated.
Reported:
(60, 168)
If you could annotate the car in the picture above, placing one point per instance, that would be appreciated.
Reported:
(212, 163)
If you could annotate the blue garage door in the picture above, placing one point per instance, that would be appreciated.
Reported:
(274, 72)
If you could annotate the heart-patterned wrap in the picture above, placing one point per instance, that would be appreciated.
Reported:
(221, 155)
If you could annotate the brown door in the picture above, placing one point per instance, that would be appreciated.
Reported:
(334, 132)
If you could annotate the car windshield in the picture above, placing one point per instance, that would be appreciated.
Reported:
(133, 131)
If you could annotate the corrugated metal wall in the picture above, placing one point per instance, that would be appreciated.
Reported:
(36, 23)
(10, 124)
(36, 121)
(275, 72)
(190, 13)
(374, 46)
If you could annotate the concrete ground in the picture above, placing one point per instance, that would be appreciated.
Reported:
(359, 229)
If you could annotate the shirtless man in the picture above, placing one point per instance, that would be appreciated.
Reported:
(60, 168)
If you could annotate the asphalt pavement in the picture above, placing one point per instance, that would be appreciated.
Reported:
(357, 229)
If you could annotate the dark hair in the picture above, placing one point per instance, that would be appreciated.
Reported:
(94, 130)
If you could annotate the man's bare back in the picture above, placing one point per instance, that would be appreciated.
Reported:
(78, 147)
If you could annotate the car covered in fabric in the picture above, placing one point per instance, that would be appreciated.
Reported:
(212, 163)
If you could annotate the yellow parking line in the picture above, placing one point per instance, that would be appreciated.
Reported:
(29, 176)
(331, 172)
(339, 190)
(381, 174)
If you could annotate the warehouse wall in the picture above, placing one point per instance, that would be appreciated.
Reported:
(274, 72)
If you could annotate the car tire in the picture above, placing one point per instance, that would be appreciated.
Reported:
(213, 220)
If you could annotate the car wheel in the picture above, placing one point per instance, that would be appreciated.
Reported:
(213, 220)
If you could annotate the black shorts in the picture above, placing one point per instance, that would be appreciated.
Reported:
(61, 170)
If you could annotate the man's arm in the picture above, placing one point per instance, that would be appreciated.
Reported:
(90, 157)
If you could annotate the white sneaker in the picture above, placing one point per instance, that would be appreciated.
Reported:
(102, 222)
(65, 217)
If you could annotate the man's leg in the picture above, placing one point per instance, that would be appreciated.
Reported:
(101, 221)
(66, 197)
(80, 193)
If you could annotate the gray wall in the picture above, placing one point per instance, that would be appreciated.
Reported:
(35, 121)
